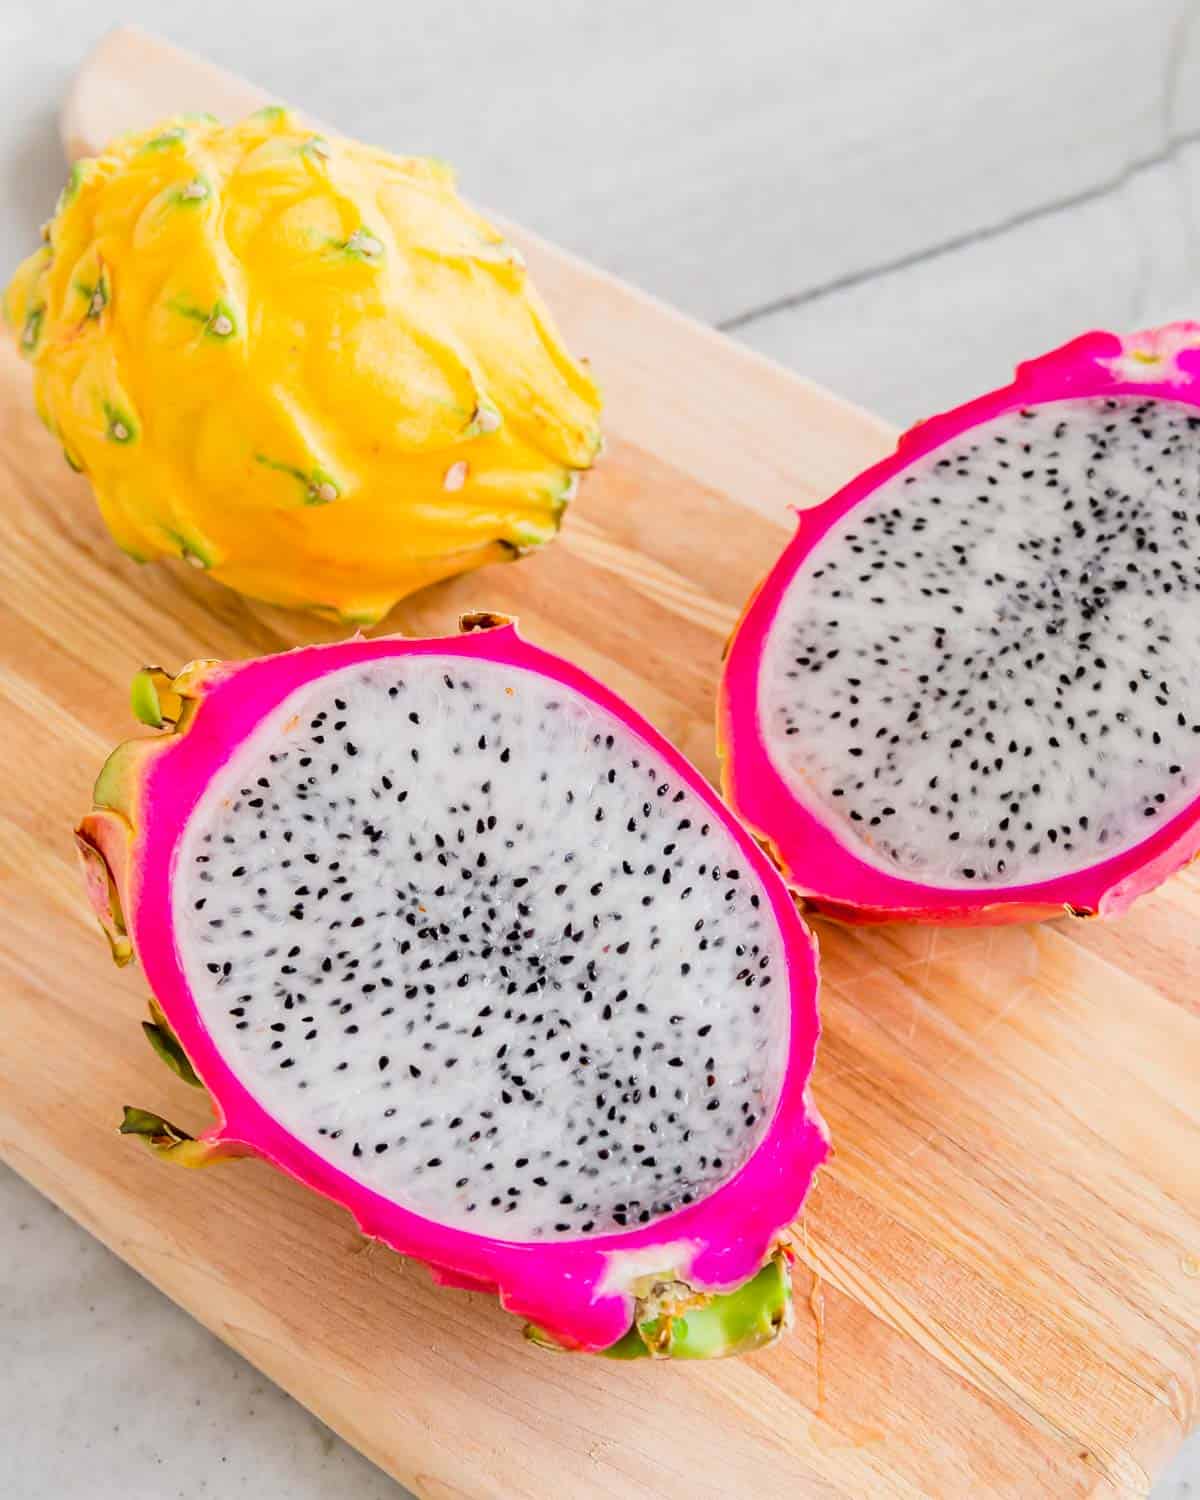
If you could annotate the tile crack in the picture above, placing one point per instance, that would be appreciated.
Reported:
(1167, 152)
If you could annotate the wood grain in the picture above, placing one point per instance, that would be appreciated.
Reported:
(1005, 1251)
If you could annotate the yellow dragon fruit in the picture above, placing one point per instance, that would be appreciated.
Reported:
(300, 363)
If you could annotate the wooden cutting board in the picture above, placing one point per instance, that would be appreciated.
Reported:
(999, 1288)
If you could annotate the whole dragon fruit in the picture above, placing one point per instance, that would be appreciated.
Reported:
(450, 934)
(299, 363)
(970, 688)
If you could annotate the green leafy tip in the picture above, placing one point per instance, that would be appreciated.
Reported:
(151, 1127)
(164, 1041)
(317, 146)
(271, 114)
(168, 1141)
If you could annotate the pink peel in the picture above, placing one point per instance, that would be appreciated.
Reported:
(819, 862)
(581, 1291)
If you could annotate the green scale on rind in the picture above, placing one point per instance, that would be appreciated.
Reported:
(166, 1045)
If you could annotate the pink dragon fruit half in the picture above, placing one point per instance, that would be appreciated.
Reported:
(969, 691)
(452, 935)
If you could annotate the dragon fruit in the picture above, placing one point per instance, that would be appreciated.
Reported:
(969, 690)
(299, 363)
(452, 935)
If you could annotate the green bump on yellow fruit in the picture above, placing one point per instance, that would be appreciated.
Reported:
(194, 550)
(221, 323)
(218, 320)
(363, 245)
(197, 190)
(75, 180)
(121, 428)
(165, 140)
(319, 486)
(31, 334)
(187, 310)
(369, 324)
(95, 295)
(322, 488)
(485, 419)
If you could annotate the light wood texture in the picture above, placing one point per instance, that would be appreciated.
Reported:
(1005, 1251)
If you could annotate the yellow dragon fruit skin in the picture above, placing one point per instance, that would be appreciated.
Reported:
(300, 363)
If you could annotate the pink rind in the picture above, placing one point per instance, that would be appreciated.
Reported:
(815, 860)
(715, 1245)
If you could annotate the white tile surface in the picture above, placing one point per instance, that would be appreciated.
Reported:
(915, 340)
(1181, 1481)
(721, 155)
(923, 192)
(108, 1391)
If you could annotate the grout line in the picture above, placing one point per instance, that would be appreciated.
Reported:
(1173, 146)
